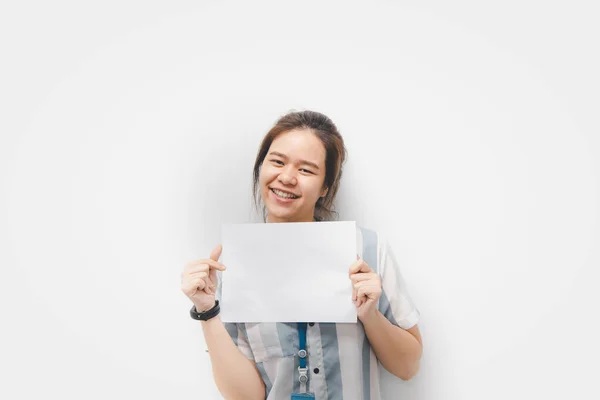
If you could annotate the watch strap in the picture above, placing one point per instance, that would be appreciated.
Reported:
(205, 315)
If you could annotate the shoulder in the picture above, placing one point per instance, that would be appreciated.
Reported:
(366, 235)
(375, 243)
(368, 246)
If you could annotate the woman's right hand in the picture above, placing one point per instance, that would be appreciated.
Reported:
(199, 280)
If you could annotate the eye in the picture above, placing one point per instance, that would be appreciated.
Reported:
(277, 161)
(310, 172)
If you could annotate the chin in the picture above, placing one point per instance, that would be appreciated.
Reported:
(280, 214)
(285, 215)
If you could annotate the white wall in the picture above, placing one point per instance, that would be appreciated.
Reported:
(128, 135)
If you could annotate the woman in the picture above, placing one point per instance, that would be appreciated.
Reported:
(297, 173)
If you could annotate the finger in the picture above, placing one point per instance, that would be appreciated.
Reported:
(212, 283)
(353, 267)
(360, 301)
(361, 277)
(208, 285)
(206, 272)
(207, 262)
(360, 266)
(210, 262)
(212, 288)
(197, 268)
(198, 282)
(191, 286)
(202, 282)
(216, 253)
(363, 284)
(213, 275)
(360, 292)
(198, 274)
(368, 291)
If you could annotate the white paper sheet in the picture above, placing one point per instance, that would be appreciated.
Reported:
(288, 272)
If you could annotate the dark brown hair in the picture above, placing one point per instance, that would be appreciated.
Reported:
(335, 155)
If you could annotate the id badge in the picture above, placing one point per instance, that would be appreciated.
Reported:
(303, 396)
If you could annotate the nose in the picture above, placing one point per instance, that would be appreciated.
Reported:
(288, 176)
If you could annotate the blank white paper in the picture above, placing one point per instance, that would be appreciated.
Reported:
(288, 272)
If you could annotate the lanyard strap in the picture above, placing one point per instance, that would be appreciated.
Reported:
(302, 336)
(302, 353)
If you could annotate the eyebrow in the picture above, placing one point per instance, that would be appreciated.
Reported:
(312, 164)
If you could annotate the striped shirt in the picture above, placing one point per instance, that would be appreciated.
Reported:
(341, 362)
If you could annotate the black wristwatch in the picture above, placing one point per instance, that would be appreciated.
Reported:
(205, 315)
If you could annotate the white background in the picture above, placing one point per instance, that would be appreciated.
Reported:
(128, 134)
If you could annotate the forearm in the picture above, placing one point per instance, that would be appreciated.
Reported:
(397, 350)
(235, 375)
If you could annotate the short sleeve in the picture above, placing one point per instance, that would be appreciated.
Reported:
(395, 302)
(238, 334)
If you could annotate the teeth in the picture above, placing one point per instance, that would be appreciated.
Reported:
(284, 195)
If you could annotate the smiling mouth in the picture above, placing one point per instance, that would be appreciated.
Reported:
(283, 195)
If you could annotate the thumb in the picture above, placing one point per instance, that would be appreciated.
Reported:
(216, 253)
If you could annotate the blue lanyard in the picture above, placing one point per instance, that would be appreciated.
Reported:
(302, 337)
(302, 353)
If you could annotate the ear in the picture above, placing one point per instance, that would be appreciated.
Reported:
(325, 192)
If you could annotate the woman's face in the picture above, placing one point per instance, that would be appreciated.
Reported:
(294, 164)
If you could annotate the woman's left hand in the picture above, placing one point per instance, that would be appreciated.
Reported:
(366, 288)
